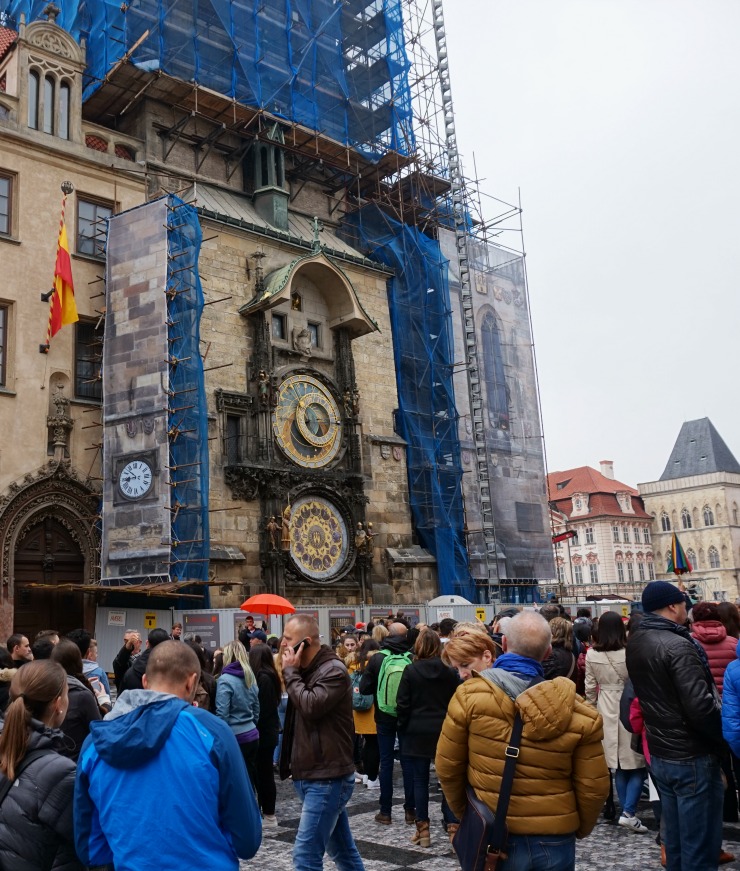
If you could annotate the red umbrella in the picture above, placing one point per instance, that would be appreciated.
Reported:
(267, 604)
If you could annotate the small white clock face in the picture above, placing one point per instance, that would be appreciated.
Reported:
(135, 479)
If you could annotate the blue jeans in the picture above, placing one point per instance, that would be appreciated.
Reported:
(691, 795)
(324, 825)
(386, 743)
(420, 773)
(281, 714)
(540, 853)
(629, 788)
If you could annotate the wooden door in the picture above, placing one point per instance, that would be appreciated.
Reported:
(48, 555)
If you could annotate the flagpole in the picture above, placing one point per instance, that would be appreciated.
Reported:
(67, 188)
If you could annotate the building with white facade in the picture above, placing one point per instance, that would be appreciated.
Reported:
(697, 496)
(612, 548)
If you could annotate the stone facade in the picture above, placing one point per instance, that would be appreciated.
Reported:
(49, 450)
(712, 541)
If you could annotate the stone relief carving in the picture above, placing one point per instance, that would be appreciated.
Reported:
(53, 43)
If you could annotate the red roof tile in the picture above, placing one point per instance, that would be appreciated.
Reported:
(7, 40)
(562, 485)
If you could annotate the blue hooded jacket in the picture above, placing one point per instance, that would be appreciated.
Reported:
(161, 783)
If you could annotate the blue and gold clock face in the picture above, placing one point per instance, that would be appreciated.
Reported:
(319, 542)
(307, 423)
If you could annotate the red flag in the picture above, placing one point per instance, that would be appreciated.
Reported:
(62, 306)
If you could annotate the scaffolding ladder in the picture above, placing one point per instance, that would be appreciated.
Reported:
(459, 212)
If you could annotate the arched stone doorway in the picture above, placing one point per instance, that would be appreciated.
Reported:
(48, 554)
(48, 535)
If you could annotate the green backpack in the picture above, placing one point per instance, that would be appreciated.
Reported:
(389, 679)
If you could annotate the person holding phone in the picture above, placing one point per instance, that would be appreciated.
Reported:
(317, 747)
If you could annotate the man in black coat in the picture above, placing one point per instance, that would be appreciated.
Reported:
(132, 678)
(681, 707)
(399, 640)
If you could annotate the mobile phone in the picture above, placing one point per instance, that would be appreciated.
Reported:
(305, 641)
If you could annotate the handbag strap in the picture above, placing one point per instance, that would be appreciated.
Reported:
(498, 833)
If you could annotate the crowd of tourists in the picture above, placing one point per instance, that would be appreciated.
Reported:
(536, 719)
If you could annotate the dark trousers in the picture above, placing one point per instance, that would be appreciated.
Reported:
(249, 755)
(266, 791)
(370, 757)
(386, 742)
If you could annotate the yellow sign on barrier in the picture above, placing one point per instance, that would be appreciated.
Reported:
(150, 621)
(480, 614)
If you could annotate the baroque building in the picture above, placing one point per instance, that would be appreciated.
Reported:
(697, 497)
(612, 550)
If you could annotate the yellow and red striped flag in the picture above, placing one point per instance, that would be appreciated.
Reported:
(62, 306)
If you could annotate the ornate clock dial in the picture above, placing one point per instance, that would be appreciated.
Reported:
(135, 479)
(307, 421)
(319, 543)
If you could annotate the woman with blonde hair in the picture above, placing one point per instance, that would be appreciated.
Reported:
(237, 703)
(379, 633)
(36, 828)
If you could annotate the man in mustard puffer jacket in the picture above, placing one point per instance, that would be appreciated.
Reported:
(561, 778)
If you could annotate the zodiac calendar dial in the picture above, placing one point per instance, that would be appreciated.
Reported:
(307, 422)
(319, 542)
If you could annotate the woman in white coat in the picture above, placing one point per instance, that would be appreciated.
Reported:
(606, 673)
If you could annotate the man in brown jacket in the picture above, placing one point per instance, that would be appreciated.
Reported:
(561, 779)
(317, 747)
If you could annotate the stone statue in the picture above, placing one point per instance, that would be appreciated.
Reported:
(302, 341)
(263, 388)
(356, 402)
(360, 538)
(369, 536)
(272, 531)
(347, 402)
(285, 540)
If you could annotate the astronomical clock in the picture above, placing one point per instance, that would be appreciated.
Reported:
(301, 428)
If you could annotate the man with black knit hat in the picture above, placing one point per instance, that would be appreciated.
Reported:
(683, 721)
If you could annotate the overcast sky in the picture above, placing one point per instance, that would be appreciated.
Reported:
(619, 121)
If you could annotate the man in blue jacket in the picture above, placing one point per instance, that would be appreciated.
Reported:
(161, 783)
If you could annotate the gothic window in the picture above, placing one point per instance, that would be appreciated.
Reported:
(686, 519)
(713, 558)
(63, 125)
(665, 522)
(493, 364)
(33, 99)
(49, 92)
(708, 516)
(691, 557)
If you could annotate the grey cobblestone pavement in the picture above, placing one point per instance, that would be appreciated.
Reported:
(388, 848)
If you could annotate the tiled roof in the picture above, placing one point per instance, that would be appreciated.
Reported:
(7, 40)
(699, 450)
(584, 479)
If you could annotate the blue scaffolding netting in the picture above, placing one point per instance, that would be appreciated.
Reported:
(187, 422)
(421, 324)
(339, 68)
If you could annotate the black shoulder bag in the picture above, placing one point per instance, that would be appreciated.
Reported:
(27, 760)
(480, 840)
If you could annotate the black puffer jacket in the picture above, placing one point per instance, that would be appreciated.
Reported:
(677, 694)
(132, 678)
(36, 831)
(83, 709)
(424, 693)
(369, 680)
